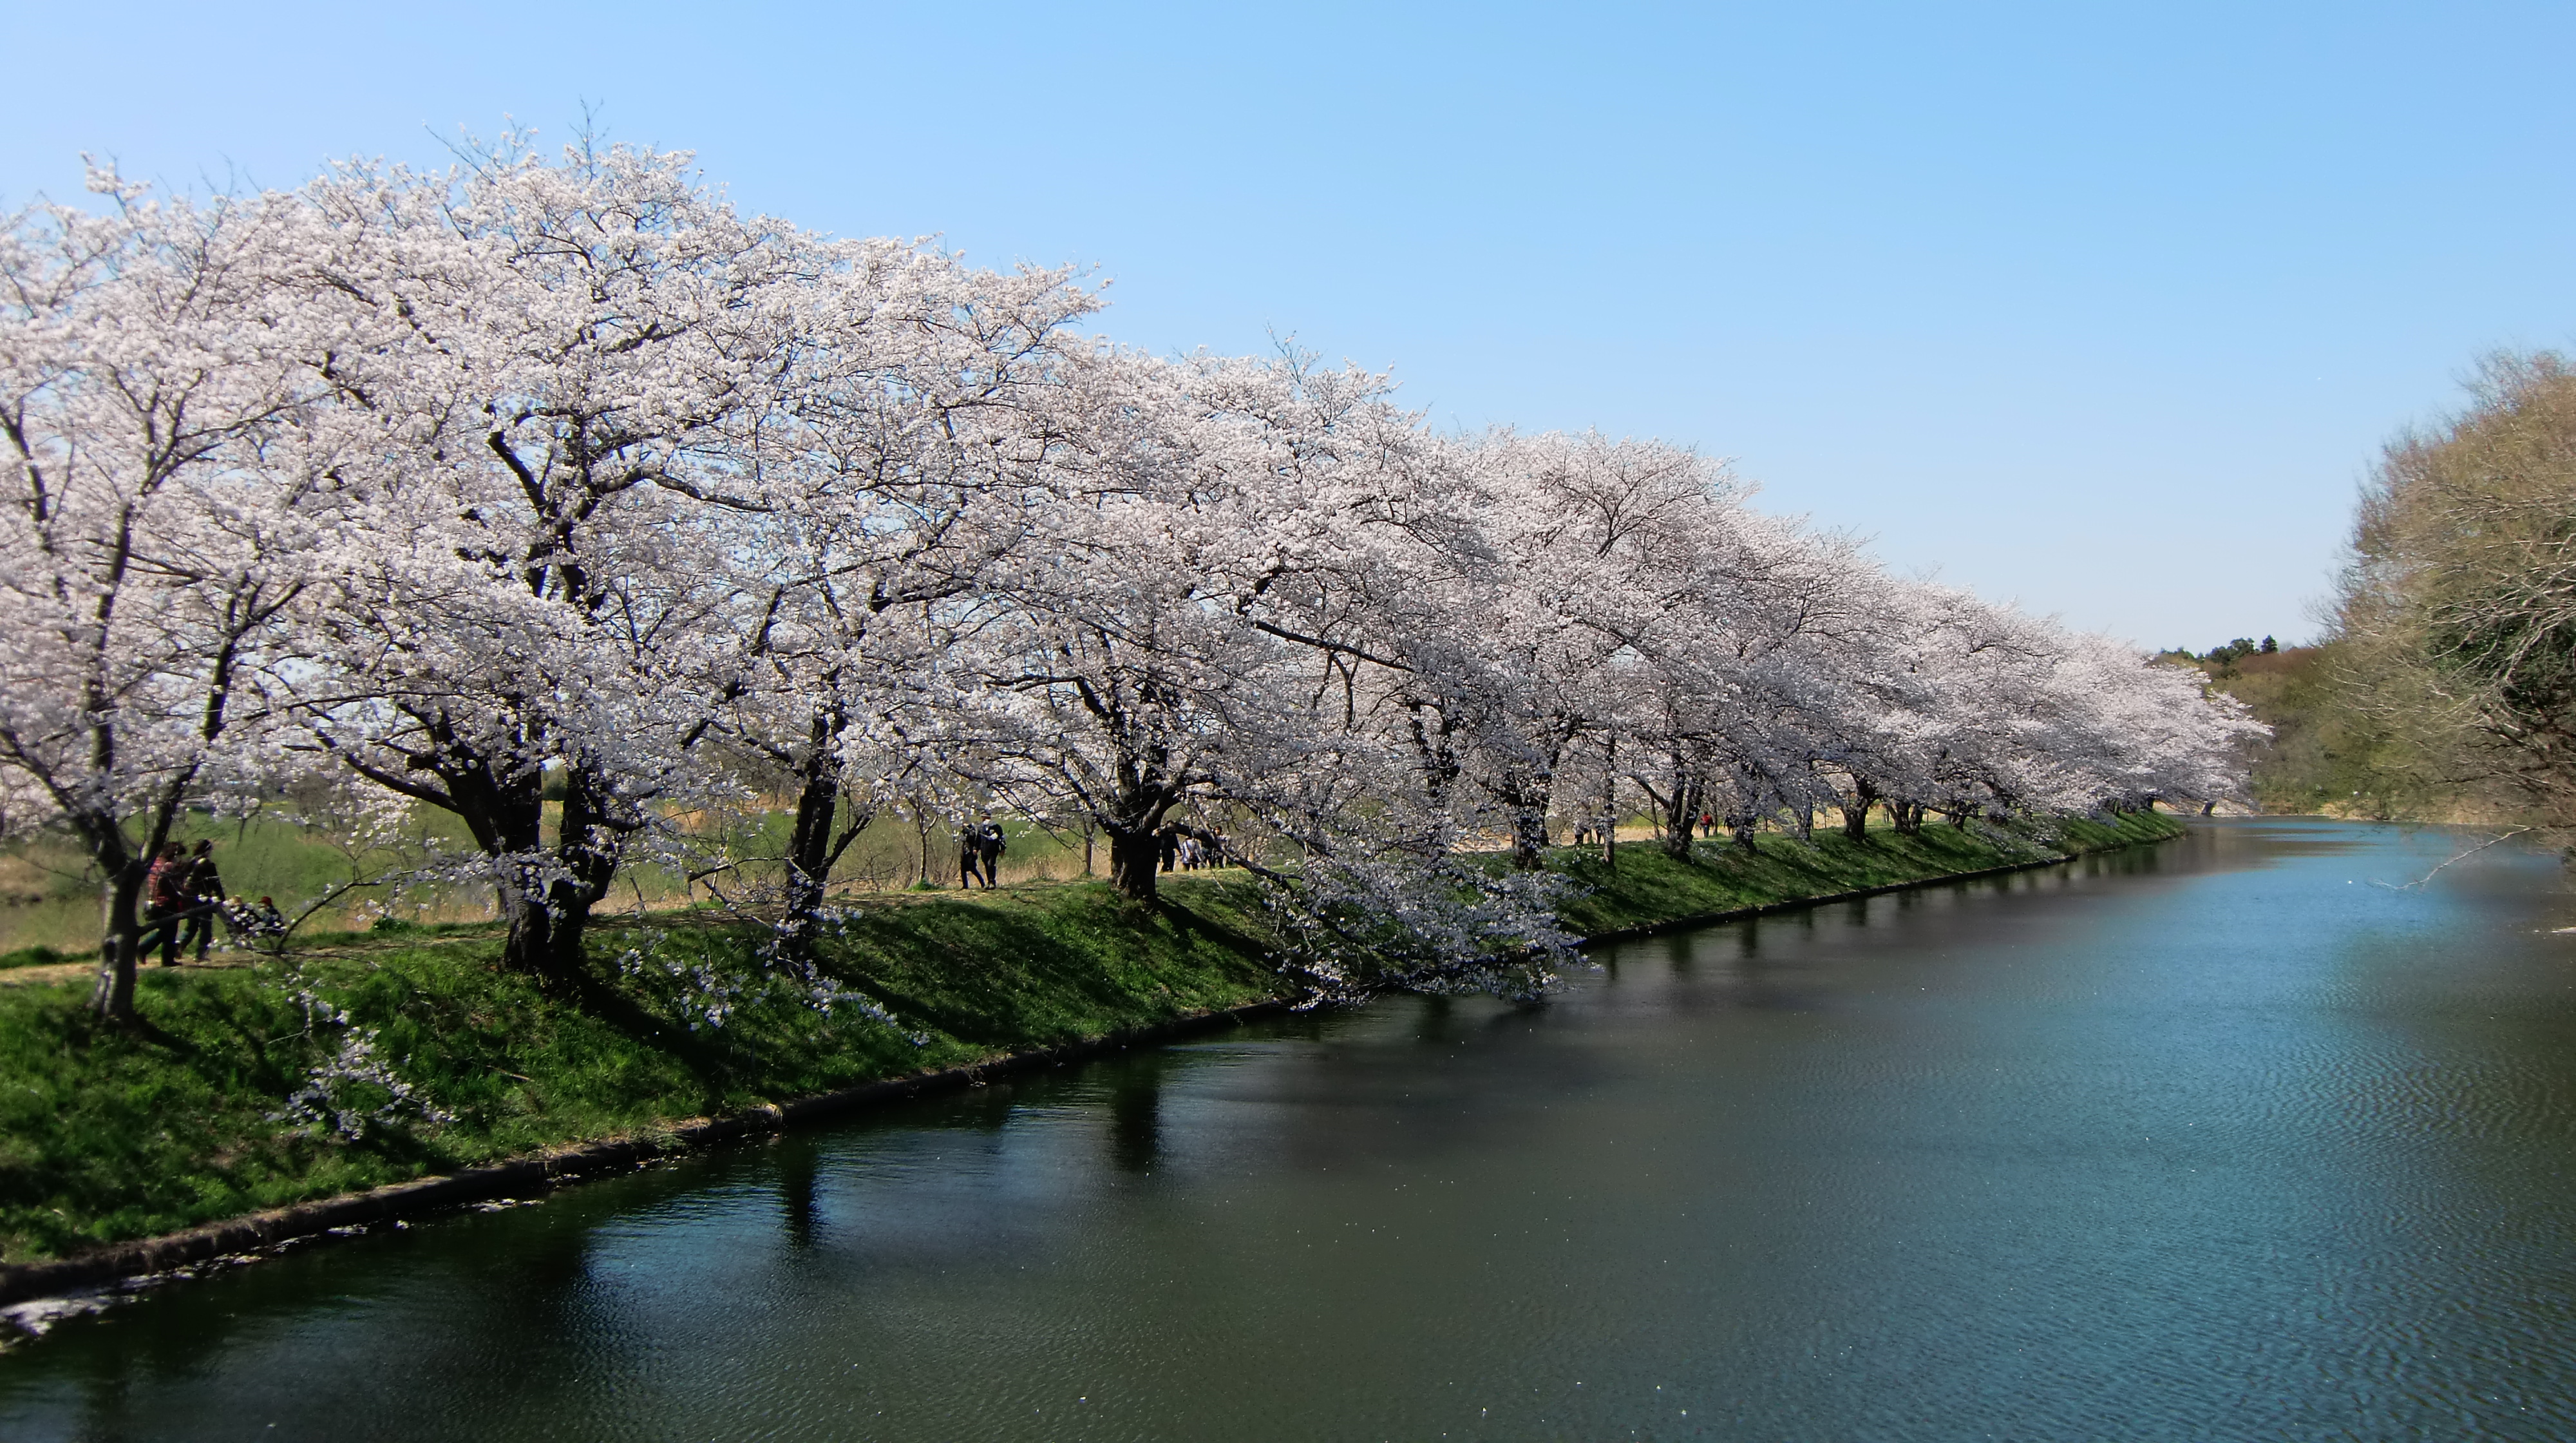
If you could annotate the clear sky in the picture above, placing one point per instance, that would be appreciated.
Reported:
(2102, 308)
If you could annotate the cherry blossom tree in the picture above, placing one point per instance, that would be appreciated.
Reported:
(561, 358)
(160, 522)
(904, 465)
(1117, 680)
(1602, 552)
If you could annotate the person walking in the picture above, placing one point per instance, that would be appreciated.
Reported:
(165, 896)
(991, 844)
(979, 853)
(205, 892)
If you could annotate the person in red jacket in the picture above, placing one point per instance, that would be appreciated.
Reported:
(165, 894)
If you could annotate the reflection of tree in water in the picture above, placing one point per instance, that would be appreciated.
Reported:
(1732, 965)
(509, 1301)
(1136, 1112)
(801, 1215)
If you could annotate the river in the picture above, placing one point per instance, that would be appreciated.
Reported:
(2237, 1137)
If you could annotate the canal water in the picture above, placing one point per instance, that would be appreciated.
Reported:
(2237, 1137)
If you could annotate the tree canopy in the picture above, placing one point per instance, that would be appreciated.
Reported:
(2455, 646)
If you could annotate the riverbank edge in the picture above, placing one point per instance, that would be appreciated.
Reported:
(554, 1167)
(557, 1166)
(1798, 904)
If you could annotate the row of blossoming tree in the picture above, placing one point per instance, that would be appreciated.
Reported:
(558, 476)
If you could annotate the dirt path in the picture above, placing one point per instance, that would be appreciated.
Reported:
(82, 971)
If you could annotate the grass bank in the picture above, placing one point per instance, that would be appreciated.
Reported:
(1648, 889)
(374, 1058)
(382, 1057)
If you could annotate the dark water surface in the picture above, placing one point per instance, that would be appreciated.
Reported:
(2214, 1140)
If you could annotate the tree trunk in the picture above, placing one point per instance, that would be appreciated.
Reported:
(549, 894)
(1529, 837)
(1525, 790)
(1681, 816)
(1135, 861)
(1856, 811)
(534, 943)
(811, 848)
(1610, 802)
(1435, 750)
(121, 948)
(129, 873)
(528, 943)
(1677, 811)
(810, 854)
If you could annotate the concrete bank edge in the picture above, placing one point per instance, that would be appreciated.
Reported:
(116, 1262)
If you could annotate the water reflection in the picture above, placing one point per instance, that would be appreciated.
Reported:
(796, 1203)
(1135, 1112)
(2218, 1140)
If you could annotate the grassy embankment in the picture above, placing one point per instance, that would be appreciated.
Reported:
(1650, 889)
(107, 1135)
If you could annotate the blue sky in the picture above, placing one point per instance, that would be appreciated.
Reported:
(2104, 309)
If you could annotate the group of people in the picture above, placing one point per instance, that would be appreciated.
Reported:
(1587, 834)
(183, 895)
(980, 846)
(979, 851)
(1191, 848)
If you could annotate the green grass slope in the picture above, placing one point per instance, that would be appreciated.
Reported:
(106, 1135)
(1650, 889)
